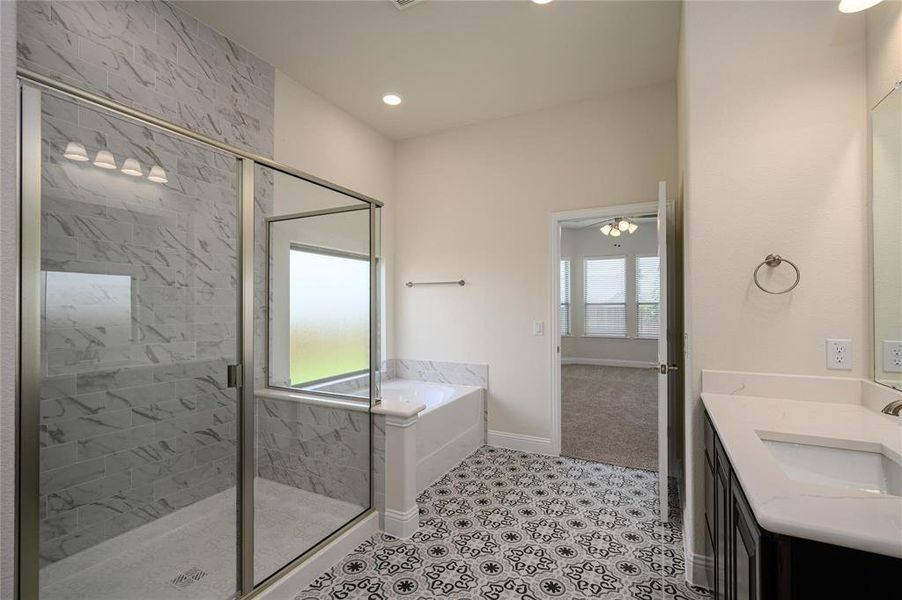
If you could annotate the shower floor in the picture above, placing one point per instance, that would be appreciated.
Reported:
(199, 542)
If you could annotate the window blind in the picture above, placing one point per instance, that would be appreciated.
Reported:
(648, 288)
(605, 296)
(565, 296)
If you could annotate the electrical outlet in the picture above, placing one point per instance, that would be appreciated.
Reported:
(839, 354)
(892, 356)
(538, 327)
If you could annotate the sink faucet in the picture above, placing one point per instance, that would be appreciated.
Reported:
(893, 408)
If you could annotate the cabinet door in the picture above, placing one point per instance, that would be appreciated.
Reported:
(721, 524)
(745, 548)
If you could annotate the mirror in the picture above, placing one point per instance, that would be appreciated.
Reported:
(886, 207)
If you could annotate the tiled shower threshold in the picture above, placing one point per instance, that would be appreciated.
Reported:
(191, 553)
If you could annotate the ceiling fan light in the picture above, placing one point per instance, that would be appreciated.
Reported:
(623, 225)
(606, 229)
(853, 6)
(615, 232)
(633, 227)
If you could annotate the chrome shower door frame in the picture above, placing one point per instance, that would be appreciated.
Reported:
(31, 88)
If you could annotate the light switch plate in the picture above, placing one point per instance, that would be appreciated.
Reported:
(538, 327)
(839, 354)
(892, 356)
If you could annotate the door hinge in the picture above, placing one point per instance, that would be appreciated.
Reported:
(234, 376)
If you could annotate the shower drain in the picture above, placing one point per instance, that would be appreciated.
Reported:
(187, 578)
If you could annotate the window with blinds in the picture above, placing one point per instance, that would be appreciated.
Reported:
(605, 296)
(648, 287)
(565, 296)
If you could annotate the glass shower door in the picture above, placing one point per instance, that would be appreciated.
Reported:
(131, 240)
(312, 393)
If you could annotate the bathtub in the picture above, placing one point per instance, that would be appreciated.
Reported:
(450, 428)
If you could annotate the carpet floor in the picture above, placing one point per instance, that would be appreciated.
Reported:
(609, 415)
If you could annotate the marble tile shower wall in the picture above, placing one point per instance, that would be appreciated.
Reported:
(135, 419)
(139, 322)
(320, 449)
(151, 56)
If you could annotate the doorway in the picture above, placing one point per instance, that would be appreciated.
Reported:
(612, 373)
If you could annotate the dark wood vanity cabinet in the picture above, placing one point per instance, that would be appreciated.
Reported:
(751, 563)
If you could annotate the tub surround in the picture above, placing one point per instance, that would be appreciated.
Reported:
(395, 425)
(834, 412)
(421, 430)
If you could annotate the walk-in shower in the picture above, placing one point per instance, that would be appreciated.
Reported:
(198, 357)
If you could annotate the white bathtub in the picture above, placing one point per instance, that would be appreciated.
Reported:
(451, 427)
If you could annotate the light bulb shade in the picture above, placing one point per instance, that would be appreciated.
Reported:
(633, 227)
(606, 229)
(623, 225)
(105, 160)
(615, 232)
(854, 6)
(132, 167)
(157, 174)
(76, 151)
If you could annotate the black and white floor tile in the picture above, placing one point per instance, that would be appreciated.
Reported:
(508, 525)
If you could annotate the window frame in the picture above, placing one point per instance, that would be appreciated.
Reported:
(637, 303)
(325, 251)
(624, 304)
(569, 303)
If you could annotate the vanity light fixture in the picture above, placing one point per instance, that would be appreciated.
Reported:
(618, 226)
(75, 151)
(541, 1)
(392, 99)
(854, 6)
(157, 174)
(132, 167)
(104, 159)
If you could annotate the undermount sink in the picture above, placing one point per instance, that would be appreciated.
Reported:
(863, 470)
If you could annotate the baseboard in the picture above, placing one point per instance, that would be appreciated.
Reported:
(608, 362)
(525, 443)
(287, 586)
(697, 566)
(401, 525)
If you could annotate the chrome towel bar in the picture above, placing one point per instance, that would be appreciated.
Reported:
(460, 282)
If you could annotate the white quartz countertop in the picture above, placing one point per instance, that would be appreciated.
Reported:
(834, 515)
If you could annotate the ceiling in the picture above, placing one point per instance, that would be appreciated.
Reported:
(454, 63)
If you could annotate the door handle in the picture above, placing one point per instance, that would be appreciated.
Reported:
(665, 369)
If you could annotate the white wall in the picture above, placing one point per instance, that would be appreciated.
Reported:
(579, 244)
(884, 42)
(475, 203)
(317, 137)
(8, 294)
(773, 97)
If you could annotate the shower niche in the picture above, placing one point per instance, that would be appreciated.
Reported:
(198, 357)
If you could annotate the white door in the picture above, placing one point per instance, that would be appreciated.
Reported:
(663, 363)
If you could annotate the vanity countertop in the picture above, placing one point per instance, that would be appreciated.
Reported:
(835, 515)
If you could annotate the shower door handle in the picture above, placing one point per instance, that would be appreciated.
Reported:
(234, 376)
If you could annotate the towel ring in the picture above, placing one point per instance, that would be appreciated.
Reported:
(775, 260)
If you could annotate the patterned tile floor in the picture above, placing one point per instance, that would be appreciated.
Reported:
(510, 525)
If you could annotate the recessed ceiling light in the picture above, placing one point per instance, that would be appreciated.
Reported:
(392, 99)
(853, 6)
(541, 1)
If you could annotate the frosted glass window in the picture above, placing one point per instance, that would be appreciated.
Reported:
(565, 296)
(648, 287)
(605, 296)
(329, 320)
